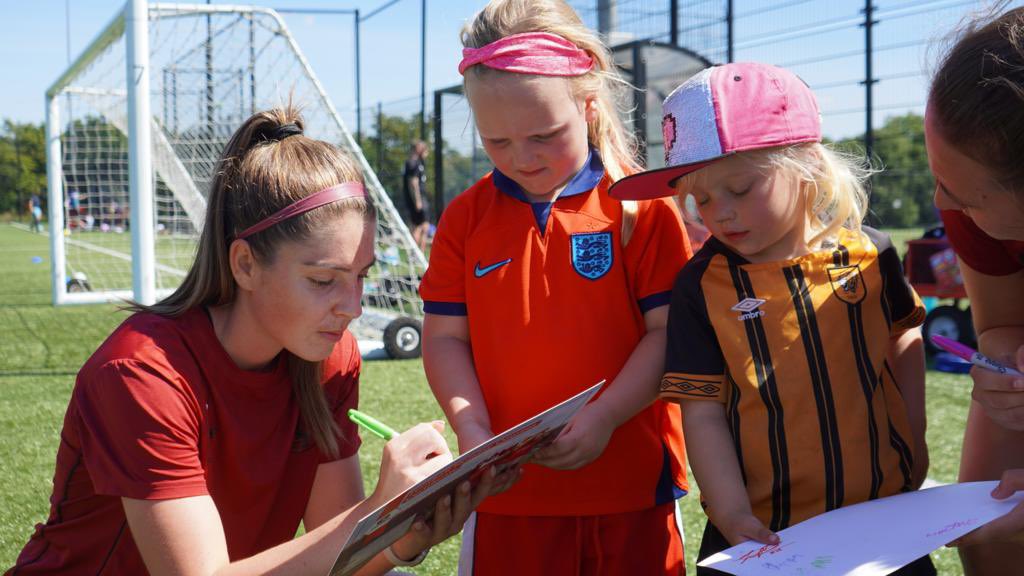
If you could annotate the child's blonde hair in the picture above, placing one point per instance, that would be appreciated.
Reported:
(616, 145)
(833, 181)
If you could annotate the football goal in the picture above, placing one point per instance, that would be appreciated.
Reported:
(134, 129)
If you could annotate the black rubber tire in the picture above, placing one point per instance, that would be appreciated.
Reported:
(948, 321)
(76, 285)
(403, 338)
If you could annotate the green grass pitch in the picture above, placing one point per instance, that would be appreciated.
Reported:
(42, 347)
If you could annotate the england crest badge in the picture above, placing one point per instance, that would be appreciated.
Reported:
(592, 254)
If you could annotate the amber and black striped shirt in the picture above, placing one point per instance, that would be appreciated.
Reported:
(797, 351)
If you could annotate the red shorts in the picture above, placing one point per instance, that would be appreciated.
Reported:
(644, 542)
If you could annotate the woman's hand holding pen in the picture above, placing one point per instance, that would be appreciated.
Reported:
(409, 458)
(1001, 396)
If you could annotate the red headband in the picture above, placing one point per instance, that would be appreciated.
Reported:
(530, 53)
(303, 205)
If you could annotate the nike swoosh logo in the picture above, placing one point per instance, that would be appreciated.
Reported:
(481, 272)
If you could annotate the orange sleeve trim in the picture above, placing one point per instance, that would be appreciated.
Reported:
(679, 386)
(912, 320)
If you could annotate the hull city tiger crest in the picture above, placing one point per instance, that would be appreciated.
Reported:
(847, 283)
(592, 254)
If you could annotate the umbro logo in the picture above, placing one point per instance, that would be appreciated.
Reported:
(748, 308)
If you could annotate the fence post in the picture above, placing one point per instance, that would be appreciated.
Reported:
(380, 136)
(869, 79)
(640, 100)
(673, 23)
(438, 156)
(359, 89)
(729, 30)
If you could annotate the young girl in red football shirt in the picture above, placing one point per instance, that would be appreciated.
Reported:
(540, 284)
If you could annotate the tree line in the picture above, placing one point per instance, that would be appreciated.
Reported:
(901, 193)
(22, 165)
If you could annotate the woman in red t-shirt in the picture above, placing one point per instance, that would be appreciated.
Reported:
(210, 424)
(975, 137)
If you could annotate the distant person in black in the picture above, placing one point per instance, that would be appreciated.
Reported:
(414, 179)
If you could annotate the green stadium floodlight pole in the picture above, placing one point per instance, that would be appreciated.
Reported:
(354, 12)
(140, 168)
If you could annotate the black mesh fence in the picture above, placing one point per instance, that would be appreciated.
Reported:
(872, 105)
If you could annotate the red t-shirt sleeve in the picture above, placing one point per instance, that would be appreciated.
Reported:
(140, 431)
(443, 287)
(341, 386)
(656, 252)
(979, 250)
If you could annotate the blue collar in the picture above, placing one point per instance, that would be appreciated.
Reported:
(585, 180)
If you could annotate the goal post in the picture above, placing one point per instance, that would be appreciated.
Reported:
(135, 127)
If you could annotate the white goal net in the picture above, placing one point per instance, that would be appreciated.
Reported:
(210, 67)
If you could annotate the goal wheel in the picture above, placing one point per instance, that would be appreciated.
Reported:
(402, 338)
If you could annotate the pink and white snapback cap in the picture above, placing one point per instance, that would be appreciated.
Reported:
(723, 110)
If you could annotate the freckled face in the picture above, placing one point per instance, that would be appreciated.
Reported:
(307, 296)
(758, 214)
(533, 129)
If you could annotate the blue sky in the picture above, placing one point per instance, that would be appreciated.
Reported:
(34, 51)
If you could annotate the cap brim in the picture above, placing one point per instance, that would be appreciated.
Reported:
(658, 183)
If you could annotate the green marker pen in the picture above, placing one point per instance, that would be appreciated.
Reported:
(375, 426)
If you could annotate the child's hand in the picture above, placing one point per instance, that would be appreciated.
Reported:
(474, 435)
(579, 444)
(743, 526)
(1006, 528)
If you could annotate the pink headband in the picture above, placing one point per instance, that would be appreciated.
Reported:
(530, 53)
(303, 205)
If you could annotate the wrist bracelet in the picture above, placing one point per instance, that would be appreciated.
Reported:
(393, 558)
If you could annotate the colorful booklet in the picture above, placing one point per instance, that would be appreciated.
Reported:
(391, 521)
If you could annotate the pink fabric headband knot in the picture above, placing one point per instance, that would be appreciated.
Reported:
(530, 53)
(303, 205)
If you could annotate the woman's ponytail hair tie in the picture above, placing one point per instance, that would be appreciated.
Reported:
(540, 53)
(278, 133)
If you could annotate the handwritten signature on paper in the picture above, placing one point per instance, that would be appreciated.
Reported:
(952, 526)
(766, 550)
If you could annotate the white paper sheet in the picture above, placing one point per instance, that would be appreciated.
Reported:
(871, 538)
